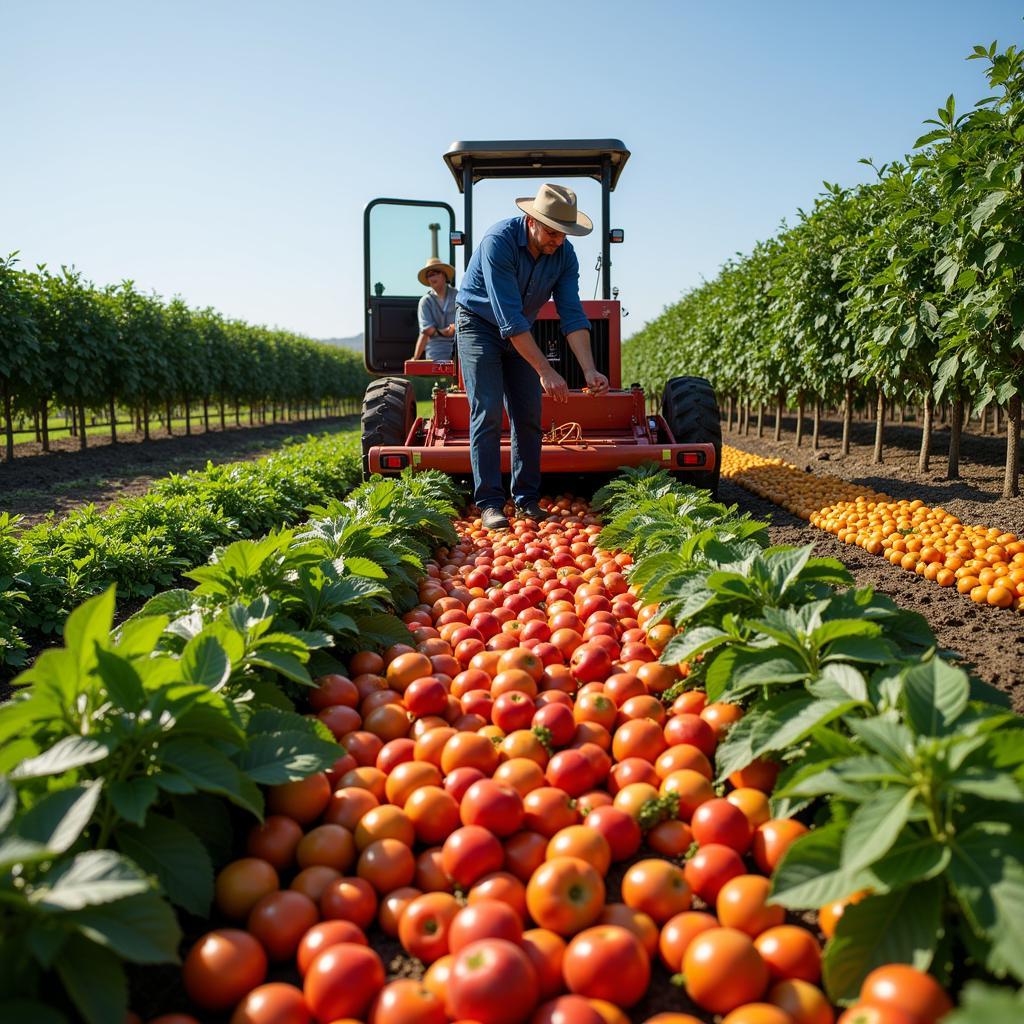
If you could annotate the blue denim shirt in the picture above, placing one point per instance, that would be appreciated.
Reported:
(506, 286)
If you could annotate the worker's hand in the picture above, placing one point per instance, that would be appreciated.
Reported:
(554, 385)
(597, 382)
(450, 331)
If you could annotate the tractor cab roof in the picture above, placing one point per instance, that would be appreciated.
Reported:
(532, 158)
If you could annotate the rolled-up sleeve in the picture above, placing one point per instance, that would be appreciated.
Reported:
(497, 262)
(566, 293)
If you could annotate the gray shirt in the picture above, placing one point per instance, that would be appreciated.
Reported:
(439, 314)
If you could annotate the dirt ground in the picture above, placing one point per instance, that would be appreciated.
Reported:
(35, 485)
(990, 639)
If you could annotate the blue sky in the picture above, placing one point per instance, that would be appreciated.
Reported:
(224, 150)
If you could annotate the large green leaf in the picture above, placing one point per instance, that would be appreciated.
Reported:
(90, 878)
(915, 856)
(142, 929)
(286, 756)
(875, 825)
(209, 771)
(811, 875)
(691, 642)
(205, 662)
(66, 754)
(95, 981)
(59, 818)
(935, 694)
(170, 851)
(986, 874)
(896, 927)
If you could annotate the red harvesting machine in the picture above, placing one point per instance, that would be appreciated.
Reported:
(586, 435)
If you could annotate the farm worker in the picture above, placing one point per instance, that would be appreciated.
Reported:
(436, 311)
(520, 263)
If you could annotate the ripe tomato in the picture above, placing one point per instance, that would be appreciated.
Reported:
(423, 928)
(241, 884)
(829, 915)
(493, 982)
(586, 843)
(902, 987)
(469, 853)
(790, 952)
(331, 845)
(607, 962)
(719, 821)
(222, 967)
(484, 919)
(657, 887)
(710, 868)
(565, 895)
(724, 970)
(772, 839)
(805, 1003)
(349, 899)
(304, 800)
(324, 934)
(742, 903)
(678, 933)
(493, 806)
(636, 921)
(275, 840)
(279, 921)
(387, 864)
(342, 981)
(861, 1013)
(757, 1013)
(619, 829)
(273, 1003)
(545, 950)
(524, 853)
(566, 1010)
(406, 1001)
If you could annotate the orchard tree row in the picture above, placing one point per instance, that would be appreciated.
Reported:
(906, 290)
(67, 344)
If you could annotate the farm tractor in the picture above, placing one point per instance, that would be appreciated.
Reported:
(586, 435)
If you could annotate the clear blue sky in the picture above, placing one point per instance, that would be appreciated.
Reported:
(224, 150)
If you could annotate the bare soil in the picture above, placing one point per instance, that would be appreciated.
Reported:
(990, 640)
(37, 484)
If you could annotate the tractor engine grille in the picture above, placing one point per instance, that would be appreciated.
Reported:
(552, 343)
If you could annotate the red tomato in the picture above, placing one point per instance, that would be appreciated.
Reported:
(423, 927)
(567, 1010)
(324, 934)
(677, 934)
(618, 827)
(772, 839)
(484, 919)
(275, 840)
(657, 887)
(546, 951)
(607, 962)
(493, 982)
(241, 884)
(495, 807)
(904, 988)
(724, 970)
(790, 952)
(273, 1003)
(406, 1001)
(710, 868)
(222, 967)
(342, 981)
(280, 920)
(719, 821)
(565, 895)
(469, 853)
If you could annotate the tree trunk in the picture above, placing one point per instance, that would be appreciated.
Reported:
(251, 420)
(35, 424)
(113, 422)
(983, 419)
(728, 414)
(926, 433)
(995, 419)
(760, 419)
(138, 420)
(745, 411)
(168, 410)
(1011, 479)
(145, 419)
(221, 403)
(206, 414)
(779, 407)
(799, 419)
(8, 423)
(879, 427)
(44, 419)
(81, 427)
(956, 423)
(847, 417)
(188, 416)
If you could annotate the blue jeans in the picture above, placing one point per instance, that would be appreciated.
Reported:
(496, 374)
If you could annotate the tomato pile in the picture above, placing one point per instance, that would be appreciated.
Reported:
(521, 758)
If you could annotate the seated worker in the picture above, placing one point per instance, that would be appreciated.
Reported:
(436, 312)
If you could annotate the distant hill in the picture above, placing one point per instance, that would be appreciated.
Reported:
(355, 342)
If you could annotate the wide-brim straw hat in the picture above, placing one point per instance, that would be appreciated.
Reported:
(555, 206)
(436, 264)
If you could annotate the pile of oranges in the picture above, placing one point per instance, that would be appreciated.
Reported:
(982, 562)
(497, 768)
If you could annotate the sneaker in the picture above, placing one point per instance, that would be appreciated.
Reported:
(493, 519)
(530, 510)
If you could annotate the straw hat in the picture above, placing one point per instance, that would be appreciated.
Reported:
(436, 264)
(555, 206)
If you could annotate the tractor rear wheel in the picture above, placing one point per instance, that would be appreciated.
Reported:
(389, 411)
(691, 412)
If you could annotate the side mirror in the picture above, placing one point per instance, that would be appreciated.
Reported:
(456, 238)
(616, 235)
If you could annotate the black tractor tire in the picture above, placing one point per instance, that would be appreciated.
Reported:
(691, 412)
(389, 411)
